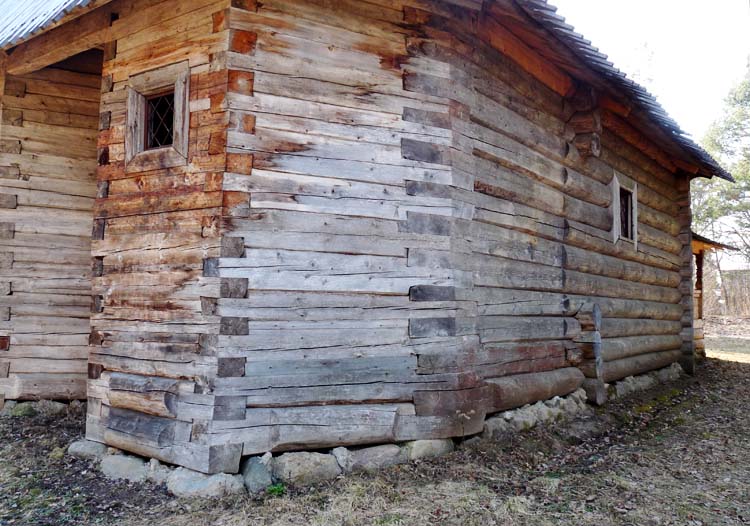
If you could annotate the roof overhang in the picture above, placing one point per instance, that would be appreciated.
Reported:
(703, 244)
(28, 19)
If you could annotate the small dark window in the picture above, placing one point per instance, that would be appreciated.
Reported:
(160, 121)
(626, 214)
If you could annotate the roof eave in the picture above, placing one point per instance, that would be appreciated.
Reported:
(66, 15)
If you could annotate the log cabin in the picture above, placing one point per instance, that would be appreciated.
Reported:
(238, 226)
(702, 246)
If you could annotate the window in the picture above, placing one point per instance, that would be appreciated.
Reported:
(626, 214)
(624, 210)
(157, 119)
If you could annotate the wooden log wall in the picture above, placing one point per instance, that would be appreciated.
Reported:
(156, 238)
(386, 230)
(47, 189)
(421, 233)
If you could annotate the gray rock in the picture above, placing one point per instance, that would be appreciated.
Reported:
(523, 419)
(256, 473)
(370, 458)
(8, 407)
(51, 408)
(157, 472)
(87, 450)
(23, 409)
(555, 413)
(124, 467)
(428, 448)
(671, 373)
(305, 468)
(570, 407)
(579, 395)
(497, 426)
(471, 442)
(186, 483)
(541, 412)
(344, 458)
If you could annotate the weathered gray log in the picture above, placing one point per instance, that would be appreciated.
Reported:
(625, 308)
(618, 348)
(591, 262)
(584, 236)
(590, 284)
(617, 327)
(514, 391)
(642, 363)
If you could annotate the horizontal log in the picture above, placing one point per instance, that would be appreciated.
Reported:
(640, 364)
(598, 240)
(617, 348)
(156, 403)
(614, 327)
(493, 360)
(590, 284)
(591, 262)
(518, 390)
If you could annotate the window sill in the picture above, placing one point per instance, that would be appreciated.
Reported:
(167, 157)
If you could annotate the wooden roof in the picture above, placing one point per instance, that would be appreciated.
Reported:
(702, 244)
(21, 20)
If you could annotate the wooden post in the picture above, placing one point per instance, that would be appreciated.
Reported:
(699, 285)
(590, 341)
(684, 217)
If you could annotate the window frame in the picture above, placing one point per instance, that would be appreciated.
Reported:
(620, 182)
(141, 87)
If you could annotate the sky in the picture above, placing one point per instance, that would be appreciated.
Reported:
(689, 53)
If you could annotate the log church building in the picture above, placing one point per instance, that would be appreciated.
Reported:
(240, 226)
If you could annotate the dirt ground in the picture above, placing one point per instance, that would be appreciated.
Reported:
(676, 455)
(728, 338)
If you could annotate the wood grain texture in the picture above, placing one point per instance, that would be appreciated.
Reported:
(47, 191)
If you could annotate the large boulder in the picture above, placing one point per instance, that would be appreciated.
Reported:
(369, 458)
(186, 483)
(87, 450)
(124, 467)
(256, 473)
(428, 448)
(301, 469)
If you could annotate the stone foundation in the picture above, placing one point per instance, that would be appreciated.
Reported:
(304, 468)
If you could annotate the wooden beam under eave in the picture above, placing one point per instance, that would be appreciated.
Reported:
(85, 32)
(502, 39)
(688, 167)
(608, 103)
